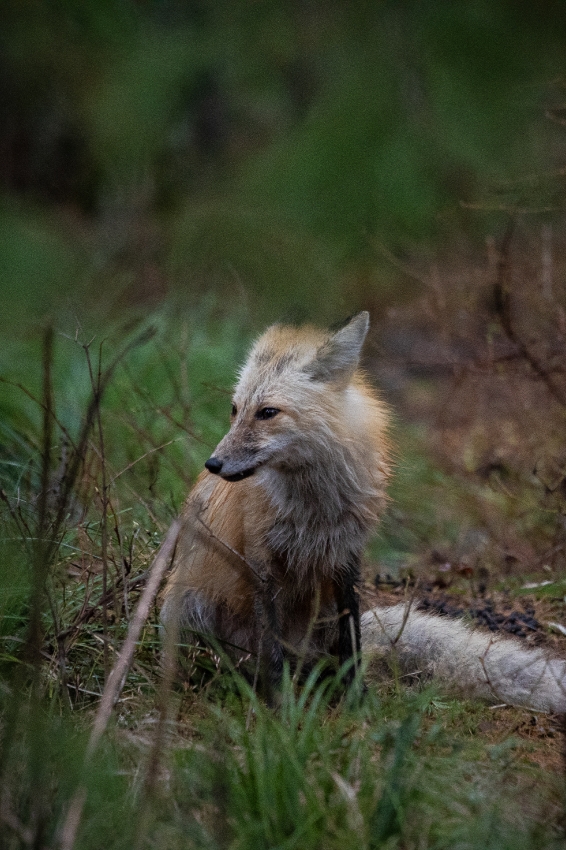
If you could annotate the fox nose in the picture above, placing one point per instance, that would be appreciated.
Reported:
(213, 465)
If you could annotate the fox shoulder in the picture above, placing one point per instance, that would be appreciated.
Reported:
(210, 544)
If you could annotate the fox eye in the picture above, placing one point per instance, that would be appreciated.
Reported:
(267, 413)
(234, 410)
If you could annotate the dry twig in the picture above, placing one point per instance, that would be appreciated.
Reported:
(117, 676)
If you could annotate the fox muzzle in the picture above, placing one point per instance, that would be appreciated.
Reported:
(215, 465)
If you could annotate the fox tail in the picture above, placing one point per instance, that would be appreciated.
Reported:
(468, 660)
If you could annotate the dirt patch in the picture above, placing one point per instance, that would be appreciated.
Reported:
(526, 618)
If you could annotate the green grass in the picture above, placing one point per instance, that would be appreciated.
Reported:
(315, 774)
(403, 769)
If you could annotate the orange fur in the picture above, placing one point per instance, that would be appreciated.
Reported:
(299, 523)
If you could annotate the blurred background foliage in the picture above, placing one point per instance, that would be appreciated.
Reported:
(260, 147)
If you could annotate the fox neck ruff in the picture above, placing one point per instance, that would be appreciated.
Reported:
(323, 510)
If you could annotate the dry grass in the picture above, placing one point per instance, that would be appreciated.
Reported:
(477, 509)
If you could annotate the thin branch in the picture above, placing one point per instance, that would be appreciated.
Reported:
(41, 545)
(118, 675)
(41, 404)
(120, 669)
(502, 297)
(150, 452)
(77, 457)
(104, 523)
(22, 526)
(122, 575)
(234, 552)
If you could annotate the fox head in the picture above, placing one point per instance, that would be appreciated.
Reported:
(295, 397)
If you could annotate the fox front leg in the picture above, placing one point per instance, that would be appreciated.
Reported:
(270, 650)
(347, 603)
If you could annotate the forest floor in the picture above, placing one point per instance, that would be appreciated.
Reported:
(475, 527)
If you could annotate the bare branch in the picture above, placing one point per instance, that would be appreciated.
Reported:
(118, 675)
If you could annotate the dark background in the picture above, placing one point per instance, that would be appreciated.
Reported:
(157, 147)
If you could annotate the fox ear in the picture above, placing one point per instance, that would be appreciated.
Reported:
(338, 358)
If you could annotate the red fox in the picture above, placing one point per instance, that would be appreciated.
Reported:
(268, 557)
